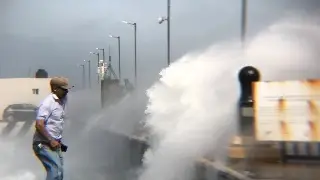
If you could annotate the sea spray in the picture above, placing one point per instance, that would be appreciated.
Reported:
(192, 108)
(192, 112)
(287, 50)
(21, 176)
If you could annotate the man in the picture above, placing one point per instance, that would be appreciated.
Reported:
(47, 144)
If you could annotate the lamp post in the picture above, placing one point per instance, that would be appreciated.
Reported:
(103, 56)
(119, 47)
(98, 55)
(160, 21)
(102, 80)
(83, 76)
(135, 48)
(89, 72)
(243, 21)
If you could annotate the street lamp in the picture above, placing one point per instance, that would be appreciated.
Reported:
(98, 55)
(119, 65)
(89, 72)
(160, 21)
(83, 76)
(103, 57)
(135, 48)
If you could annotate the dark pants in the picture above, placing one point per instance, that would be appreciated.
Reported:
(52, 160)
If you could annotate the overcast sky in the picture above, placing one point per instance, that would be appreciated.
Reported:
(58, 34)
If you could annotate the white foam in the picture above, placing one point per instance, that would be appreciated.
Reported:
(21, 176)
(191, 110)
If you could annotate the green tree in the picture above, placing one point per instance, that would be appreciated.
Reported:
(41, 73)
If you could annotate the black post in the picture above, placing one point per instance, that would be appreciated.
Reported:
(135, 54)
(119, 65)
(247, 76)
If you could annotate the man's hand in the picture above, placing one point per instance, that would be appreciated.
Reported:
(54, 144)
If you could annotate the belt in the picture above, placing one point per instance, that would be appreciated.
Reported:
(44, 142)
(47, 144)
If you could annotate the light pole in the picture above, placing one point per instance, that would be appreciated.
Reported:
(119, 47)
(83, 76)
(243, 21)
(98, 55)
(160, 21)
(135, 49)
(103, 56)
(102, 80)
(89, 72)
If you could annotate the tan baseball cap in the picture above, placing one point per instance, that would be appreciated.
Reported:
(61, 82)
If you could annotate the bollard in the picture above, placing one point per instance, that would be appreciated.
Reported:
(247, 75)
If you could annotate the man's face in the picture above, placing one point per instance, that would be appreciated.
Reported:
(61, 92)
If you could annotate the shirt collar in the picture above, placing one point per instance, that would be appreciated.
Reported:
(55, 97)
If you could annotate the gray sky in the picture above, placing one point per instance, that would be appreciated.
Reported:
(57, 35)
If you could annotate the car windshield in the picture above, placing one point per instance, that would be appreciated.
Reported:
(23, 106)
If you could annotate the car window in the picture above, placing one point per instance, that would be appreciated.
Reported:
(16, 106)
(28, 106)
(22, 106)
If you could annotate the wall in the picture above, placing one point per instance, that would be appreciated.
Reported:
(20, 91)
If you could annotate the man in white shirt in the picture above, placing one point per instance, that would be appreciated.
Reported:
(47, 144)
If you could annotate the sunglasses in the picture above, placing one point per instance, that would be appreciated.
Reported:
(64, 90)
